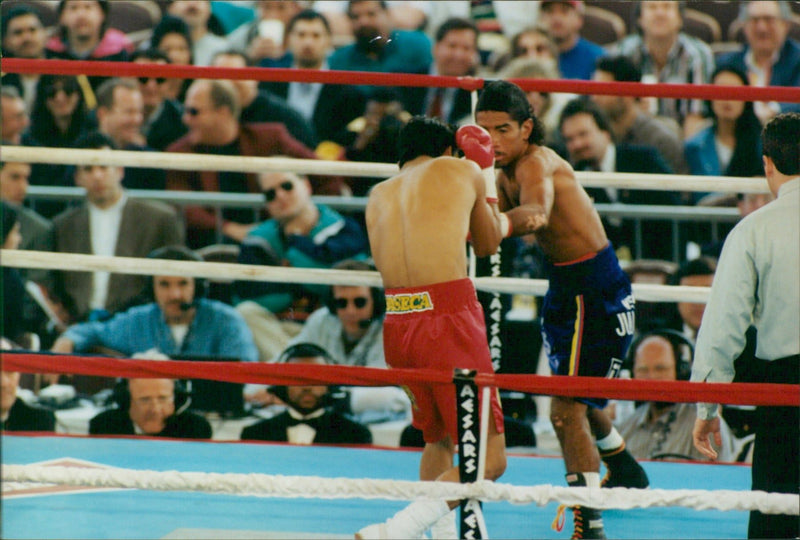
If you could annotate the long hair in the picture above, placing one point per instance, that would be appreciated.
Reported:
(43, 126)
(503, 96)
(746, 158)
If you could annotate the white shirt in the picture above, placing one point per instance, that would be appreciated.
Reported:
(304, 96)
(759, 77)
(104, 231)
(609, 164)
(302, 433)
(757, 282)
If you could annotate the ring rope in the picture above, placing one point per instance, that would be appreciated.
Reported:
(646, 292)
(251, 164)
(662, 90)
(297, 374)
(264, 485)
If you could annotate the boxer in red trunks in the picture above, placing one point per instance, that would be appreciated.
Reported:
(439, 326)
(417, 223)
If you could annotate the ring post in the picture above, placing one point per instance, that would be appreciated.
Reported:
(472, 523)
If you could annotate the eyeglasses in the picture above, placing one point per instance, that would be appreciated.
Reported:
(149, 401)
(271, 193)
(145, 80)
(54, 90)
(767, 19)
(358, 301)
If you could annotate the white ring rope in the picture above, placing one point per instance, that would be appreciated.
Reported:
(207, 162)
(264, 485)
(279, 274)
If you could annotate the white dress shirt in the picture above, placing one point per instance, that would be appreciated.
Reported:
(757, 281)
(104, 231)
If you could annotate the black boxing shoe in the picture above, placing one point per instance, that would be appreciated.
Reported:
(588, 522)
(622, 470)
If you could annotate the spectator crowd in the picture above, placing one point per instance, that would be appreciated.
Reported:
(269, 322)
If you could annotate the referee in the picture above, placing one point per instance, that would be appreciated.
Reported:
(758, 280)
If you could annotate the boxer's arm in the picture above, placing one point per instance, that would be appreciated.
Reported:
(485, 227)
(535, 199)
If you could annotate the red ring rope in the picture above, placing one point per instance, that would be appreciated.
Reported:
(296, 374)
(130, 69)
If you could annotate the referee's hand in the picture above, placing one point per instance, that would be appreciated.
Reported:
(701, 435)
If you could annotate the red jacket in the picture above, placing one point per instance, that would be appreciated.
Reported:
(259, 139)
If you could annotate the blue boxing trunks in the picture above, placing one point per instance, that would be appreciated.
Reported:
(588, 318)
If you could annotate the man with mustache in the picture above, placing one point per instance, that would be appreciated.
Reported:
(378, 47)
(178, 321)
(307, 420)
(23, 37)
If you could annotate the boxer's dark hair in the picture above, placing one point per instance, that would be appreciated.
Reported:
(781, 143)
(423, 136)
(503, 96)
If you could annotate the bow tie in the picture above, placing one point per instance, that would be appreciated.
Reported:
(312, 420)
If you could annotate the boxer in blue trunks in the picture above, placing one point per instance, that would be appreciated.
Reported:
(588, 311)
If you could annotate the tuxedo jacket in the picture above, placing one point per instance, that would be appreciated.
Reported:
(337, 106)
(23, 417)
(185, 425)
(331, 427)
(145, 226)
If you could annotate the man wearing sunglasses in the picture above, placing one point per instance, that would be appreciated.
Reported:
(300, 234)
(211, 114)
(162, 124)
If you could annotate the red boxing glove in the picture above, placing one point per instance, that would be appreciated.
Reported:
(476, 144)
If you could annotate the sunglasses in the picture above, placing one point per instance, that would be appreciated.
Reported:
(145, 80)
(271, 193)
(358, 301)
(54, 90)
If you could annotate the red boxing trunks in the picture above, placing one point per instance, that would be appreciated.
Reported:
(441, 327)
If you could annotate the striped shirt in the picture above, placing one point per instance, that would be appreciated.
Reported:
(689, 61)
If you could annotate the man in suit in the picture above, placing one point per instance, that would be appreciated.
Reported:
(162, 124)
(36, 231)
(590, 144)
(306, 419)
(154, 407)
(120, 115)
(15, 414)
(329, 107)
(770, 57)
(455, 54)
(108, 223)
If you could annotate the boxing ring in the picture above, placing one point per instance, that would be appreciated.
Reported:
(81, 487)
(68, 512)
